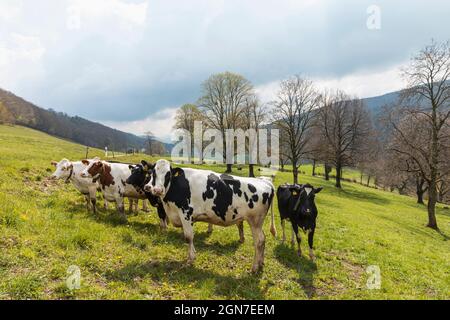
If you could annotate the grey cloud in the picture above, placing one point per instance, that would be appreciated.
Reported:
(163, 65)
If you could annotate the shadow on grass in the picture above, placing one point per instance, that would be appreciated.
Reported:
(446, 237)
(351, 193)
(443, 212)
(416, 229)
(245, 286)
(303, 265)
(175, 236)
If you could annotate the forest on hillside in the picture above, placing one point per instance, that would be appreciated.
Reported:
(15, 110)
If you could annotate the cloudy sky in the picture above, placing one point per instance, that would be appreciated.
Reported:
(130, 63)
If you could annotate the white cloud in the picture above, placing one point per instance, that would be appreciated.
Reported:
(10, 10)
(362, 84)
(20, 57)
(128, 14)
(160, 124)
(365, 84)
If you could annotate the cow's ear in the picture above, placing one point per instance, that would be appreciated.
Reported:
(54, 163)
(147, 166)
(317, 190)
(130, 167)
(176, 172)
(85, 162)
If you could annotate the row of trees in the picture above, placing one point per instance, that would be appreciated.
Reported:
(417, 147)
(410, 153)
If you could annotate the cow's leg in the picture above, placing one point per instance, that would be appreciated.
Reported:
(292, 237)
(283, 224)
(162, 216)
(94, 205)
(121, 207)
(93, 199)
(240, 226)
(130, 205)
(145, 205)
(136, 205)
(299, 239)
(210, 228)
(188, 234)
(259, 240)
(88, 202)
(105, 203)
(310, 243)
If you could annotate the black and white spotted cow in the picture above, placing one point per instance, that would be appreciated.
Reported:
(191, 195)
(138, 179)
(296, 203)
(140, 176)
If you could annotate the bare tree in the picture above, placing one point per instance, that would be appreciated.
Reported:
(345, 126)
(253, 116)
(223, 101)
(185, 118)
(425, 102)
(186, 115)
(294, 111)
(150, 140)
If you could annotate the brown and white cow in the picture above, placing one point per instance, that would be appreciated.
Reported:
(112, 180)
(70, 171)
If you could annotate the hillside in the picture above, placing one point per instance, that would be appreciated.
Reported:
(44, 229)
(15, 110)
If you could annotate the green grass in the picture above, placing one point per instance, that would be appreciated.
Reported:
(44, 229)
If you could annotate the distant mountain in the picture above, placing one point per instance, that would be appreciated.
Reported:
(15, 110)
(375, 104)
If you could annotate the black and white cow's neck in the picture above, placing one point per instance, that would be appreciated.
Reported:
(178, 190)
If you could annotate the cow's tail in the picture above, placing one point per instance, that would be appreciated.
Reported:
(273, 230)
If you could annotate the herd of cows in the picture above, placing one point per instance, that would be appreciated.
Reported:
(183, 196)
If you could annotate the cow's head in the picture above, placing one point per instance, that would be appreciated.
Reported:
(140, 174)
(303, 196)
(63, 169)
(93, 168)
(160, 178)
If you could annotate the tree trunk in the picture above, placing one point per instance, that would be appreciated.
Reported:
(229, 166)
(338, 175)
(432, 185)
(314, 168)
(420, 197)
(282, 166)
(251, 172)
(295, 173)
(327, 172)
(432, 197)
(419, 190)
(368, 180)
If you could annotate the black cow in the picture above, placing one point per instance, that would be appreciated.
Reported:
(138, 178)
(296, 203)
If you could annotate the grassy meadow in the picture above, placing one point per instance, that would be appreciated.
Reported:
(44, 229)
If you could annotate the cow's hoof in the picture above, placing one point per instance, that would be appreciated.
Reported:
(312, 256)
(256, 269)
